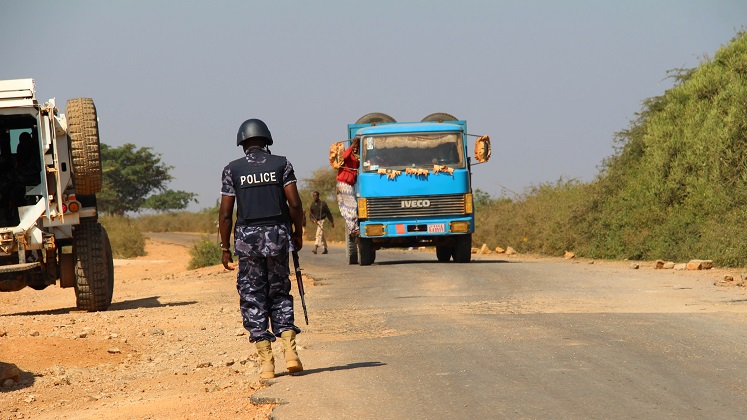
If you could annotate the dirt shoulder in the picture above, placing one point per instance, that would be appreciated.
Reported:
(171, 346)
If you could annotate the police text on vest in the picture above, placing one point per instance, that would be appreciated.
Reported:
(260, 178)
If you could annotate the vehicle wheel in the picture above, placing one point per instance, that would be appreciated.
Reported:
(83, 130)
(463, 249)
(351, 250)
(375, 118)
(368, 253)
(440, 117)
(94, 268)
(443, 253)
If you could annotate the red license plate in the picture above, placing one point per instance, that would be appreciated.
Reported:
(439, 228)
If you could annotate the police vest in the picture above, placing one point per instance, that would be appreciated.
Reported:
(260, 197)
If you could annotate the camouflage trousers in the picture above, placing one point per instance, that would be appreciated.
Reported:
(264, 295)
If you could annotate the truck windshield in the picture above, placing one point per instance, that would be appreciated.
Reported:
(400, 151)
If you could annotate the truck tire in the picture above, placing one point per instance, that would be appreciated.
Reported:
(351, 250)
(368, 253)
(443, 253)
(83, 130)
(94, 268)
(463, 249)
(375, 118)
(440, 117)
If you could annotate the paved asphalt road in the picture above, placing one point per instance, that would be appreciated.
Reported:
(499, 338)
(409, 337)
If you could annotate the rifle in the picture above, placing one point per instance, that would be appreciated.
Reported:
(299, 280)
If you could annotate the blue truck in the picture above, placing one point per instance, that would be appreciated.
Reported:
(414, 186)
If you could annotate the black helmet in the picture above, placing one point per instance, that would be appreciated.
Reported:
(253, 128)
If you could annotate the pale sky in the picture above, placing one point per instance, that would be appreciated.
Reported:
(549, 81)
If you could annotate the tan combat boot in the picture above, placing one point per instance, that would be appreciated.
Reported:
(266, 359)
(292, 362)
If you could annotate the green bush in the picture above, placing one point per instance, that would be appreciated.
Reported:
(205, 253)
(205, 221)
(126, 238)
(675, 189)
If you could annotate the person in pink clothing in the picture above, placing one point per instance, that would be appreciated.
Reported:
(346, 177)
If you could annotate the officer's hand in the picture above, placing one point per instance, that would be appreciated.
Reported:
(227, 258)
(298, 240)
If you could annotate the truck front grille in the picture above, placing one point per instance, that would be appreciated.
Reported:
(415, 206)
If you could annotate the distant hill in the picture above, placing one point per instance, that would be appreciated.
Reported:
(675, 189)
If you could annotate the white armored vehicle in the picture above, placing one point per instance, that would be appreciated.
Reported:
(50, 172)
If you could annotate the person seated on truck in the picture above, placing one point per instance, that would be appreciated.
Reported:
(377, 158)
(7, 181)
(27, 161)
(446, 154)
(346, 178)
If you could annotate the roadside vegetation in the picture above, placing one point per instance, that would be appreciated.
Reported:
(205, 253)
(675, 188)
(126, 238)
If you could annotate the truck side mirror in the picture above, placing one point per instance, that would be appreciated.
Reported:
(482, 149)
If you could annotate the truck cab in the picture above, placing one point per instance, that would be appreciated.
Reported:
(414, 187)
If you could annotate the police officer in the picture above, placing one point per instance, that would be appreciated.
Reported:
(264, 189)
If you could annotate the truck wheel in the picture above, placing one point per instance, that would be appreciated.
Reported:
(443, 253)
(463, 249)
(375, 118)
(351, 250)
(94, 268)
(368, 253)
(440, 117)
(83, 130)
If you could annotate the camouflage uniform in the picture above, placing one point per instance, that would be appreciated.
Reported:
(263, 279)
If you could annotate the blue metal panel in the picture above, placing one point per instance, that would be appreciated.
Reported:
(375, 185)
(429, 127)
(393, 128)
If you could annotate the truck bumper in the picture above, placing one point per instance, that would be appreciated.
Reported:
(411, 232)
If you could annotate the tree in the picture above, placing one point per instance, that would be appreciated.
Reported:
(481, 198)
(169, 200)
(323, 180)
(131, 175)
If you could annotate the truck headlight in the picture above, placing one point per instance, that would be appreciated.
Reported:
(362, 209)
(468, 203)
(459, 227)
(374, 230)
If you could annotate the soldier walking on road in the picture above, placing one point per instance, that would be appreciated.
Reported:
(263, 186)
(319, 212)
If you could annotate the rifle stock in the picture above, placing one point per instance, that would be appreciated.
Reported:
(299, 281)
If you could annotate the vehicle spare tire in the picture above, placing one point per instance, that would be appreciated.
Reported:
(440, 117)
(83, 130)
(375, 118)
